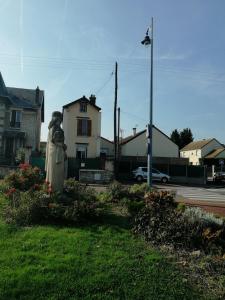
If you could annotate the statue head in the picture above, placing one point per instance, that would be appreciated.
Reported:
(57, 118)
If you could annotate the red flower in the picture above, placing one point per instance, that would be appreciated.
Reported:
(24, 166)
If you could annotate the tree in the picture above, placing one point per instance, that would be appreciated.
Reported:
(175, 137)
(186, 137)
(182, 138)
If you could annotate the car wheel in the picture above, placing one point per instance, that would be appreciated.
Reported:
(164, 180)
(139, 178)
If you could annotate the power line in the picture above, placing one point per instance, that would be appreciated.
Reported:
(105, 83)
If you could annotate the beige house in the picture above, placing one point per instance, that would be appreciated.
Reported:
(21, 115)
(82, 128)
(197, 151)
(136, 145)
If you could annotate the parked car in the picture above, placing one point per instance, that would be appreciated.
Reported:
(141, 173)
(219, 176)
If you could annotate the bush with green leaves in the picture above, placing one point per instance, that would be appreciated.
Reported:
(116, 191)
(162, 223)
(26, 208)
(139, 190)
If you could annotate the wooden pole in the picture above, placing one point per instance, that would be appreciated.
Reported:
(118, 135)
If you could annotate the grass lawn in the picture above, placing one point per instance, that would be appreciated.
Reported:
(102, 261)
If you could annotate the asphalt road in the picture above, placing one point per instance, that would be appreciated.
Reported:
(214, 194)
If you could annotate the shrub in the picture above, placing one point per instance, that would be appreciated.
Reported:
(25, 178)
(134, 207)
(116, 191)
(197, 215)
(26, 208)
(162, 223)
(78, 204)
(139, 190)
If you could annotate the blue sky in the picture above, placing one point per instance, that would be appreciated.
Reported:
(69, 49)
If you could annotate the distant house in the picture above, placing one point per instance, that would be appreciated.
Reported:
(198, 151)
(136, 145)
(82, 128)
(21, 115)
(106, 147)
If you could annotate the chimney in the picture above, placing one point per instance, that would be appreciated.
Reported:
(134, 131)
(37, 95)
(92, 99)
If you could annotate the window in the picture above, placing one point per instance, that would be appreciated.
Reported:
(81, 151)
(83, 127)
(83, 107)
(15, 118)
(155, 171)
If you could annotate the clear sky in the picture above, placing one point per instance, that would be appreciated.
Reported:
(69, 48)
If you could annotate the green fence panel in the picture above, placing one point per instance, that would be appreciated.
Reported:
(38, 162)
(176, 170)
(195, 171)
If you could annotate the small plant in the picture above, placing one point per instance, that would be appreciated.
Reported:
(116, 191)
(197, 215)
(139, 190)
(181, 207)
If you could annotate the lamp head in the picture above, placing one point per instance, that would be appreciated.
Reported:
(146, 41)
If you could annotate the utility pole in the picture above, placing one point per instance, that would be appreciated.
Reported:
(115, 123)
(118, 134)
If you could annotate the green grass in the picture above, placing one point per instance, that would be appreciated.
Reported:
(102, 261)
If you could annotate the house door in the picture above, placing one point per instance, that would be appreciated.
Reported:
(9, 147)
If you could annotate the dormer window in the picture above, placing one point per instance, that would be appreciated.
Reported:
(15, 118)
(83, 107)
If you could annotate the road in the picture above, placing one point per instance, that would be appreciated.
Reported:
(211, 199)
(208, 194)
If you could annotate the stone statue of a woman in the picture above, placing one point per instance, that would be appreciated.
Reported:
(55, 153)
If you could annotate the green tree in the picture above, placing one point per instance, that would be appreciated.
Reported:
(186, 137)
(175, 137)
(182, 138)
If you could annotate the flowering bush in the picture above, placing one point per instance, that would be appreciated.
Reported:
(25, 178)
(40, 205)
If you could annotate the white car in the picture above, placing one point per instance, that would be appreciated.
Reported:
(141, 173)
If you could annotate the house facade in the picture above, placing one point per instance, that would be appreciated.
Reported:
(197, 151)
(136, 145)
(82, 128)
(106, 147)
(21, 115)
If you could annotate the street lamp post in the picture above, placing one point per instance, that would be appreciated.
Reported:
(147, 41)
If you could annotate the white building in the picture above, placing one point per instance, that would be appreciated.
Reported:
(198, 150)
(136, 145)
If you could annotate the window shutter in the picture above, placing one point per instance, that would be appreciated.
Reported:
(79, 127)
(89, 128)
